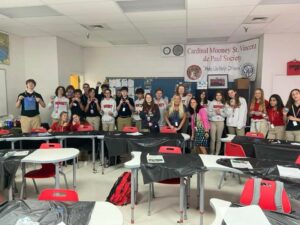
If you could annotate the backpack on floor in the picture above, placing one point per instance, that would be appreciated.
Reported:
(120, 192)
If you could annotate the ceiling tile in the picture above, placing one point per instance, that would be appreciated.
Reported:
(87, 8)
(196, 4)
(158, 15)
(19, 3)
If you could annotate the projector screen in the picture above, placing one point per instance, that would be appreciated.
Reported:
(3, 93)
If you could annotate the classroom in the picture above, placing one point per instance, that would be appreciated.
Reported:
(116, 112)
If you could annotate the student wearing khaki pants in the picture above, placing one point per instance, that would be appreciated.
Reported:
(293, 116)
(275, 118)
(216, 116)
(125, 107)
(29, 101)
(92, 109)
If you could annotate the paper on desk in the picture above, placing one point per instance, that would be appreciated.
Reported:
(240, 164)
(248, 215)
(26, 221)
(134, 134)
(43, 134)
(21, 153)
(155, 159)
(295, 143)
(288, 172)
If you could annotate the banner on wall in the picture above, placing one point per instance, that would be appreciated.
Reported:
(235, 59)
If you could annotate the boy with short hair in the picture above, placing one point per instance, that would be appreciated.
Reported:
(29, 101)
(138, 106)
(125, 107)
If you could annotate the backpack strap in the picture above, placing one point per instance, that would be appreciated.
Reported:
(256, 191)
(278, 196)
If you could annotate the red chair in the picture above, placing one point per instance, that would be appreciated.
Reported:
(129, 129)
(60, 195)
(266, 197)
(298, 160)
(255, 134)
(167, 130)
(86, 127)
(47, 170)
(38, 130)
(232, 149)
(165, 150)
(3, 132)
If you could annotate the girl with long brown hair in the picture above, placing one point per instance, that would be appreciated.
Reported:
(258, 112)
(150, 115)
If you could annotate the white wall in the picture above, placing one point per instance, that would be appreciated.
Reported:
(70, 60)
(278, 49)
(129, 61)
(41, 64)
(15, 72)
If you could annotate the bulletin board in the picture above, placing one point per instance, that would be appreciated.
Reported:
(150, 84)
(3, 93)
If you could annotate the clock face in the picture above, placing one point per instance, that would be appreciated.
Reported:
(167, 50)
(177, 50)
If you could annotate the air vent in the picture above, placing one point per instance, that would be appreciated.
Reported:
(96, 27)
(258, 19)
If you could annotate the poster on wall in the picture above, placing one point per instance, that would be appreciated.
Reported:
(4, 48)
(235, 59)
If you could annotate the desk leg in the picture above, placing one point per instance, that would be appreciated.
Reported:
(12, 144)
(201, 176)
(132, 199)
(10, 193)
(102, 155)
(74, 173)
(57, 176)
(198, 190)
(23, 186)
(181, 199)
(136, 185)
(93, 155)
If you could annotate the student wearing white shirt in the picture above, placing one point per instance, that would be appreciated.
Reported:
(216, 116)
(236, 112)
(108, 111)
(162, 105)
(138, 107)
(58, 103)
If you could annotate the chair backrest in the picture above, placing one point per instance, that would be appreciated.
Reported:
(129, 129)
(255, 134)
(167, 130)
(170, 150)
(298, 160)
(269, 195)
(50, 145)
(86, 127)
(38, 130)
(60, 195)
(232, 149)
(3, 131)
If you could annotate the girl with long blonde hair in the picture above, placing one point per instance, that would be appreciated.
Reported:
(258, 112)
(175, 115)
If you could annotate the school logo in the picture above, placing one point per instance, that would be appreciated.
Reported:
(194, 72)
(248, 71)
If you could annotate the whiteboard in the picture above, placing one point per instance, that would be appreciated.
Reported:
(283, 84)
(3, 93)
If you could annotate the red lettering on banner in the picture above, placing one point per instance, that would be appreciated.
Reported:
(107, 106)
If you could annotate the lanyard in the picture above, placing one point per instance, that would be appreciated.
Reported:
(294, 111)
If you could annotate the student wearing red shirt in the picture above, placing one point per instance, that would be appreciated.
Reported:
(258, 112)
(62, 124)
(76, 123)
(275, 117)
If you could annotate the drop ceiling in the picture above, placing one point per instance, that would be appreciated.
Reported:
(148, 22)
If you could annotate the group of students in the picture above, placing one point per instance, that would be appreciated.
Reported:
(204, 120)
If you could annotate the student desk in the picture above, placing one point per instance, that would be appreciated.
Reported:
(83, 213)
(55, 156)
(209, 162)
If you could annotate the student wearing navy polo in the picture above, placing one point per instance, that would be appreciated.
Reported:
(29, 101)
(125, 107)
